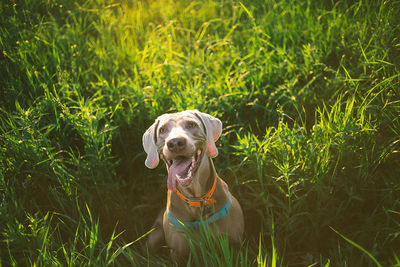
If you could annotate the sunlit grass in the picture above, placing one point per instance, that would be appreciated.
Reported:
(308, 92)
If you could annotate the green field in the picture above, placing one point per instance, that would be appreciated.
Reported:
(308, 93)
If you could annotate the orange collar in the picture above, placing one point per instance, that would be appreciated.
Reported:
(202, 201)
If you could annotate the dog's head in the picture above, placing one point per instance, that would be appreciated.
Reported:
(181, 139)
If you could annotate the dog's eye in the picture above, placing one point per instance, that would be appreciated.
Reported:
(191, 125)
(162, 130)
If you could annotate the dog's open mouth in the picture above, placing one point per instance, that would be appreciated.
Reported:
(181, 169)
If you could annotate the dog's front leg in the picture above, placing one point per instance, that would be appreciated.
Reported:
(156, 238)
(177, 242)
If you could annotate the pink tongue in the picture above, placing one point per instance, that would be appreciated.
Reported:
(177, 167)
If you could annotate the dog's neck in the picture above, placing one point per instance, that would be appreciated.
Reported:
(201, 184)
(202, 181)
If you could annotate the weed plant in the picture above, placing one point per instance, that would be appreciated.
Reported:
(308, 93)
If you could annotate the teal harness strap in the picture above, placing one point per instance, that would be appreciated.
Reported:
(222, 213)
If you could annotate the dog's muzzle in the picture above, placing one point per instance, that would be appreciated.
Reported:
(182, 168)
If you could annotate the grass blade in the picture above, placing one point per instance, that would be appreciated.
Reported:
(358, 246)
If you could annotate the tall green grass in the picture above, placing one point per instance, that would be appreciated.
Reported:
(308, 92)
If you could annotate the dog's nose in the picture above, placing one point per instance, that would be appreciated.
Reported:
(176, 144)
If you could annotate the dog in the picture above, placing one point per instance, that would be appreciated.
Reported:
(185, 141)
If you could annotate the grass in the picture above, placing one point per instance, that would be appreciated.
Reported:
(308, 92)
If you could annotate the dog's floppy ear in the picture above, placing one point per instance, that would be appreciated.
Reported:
(149, 145)
(213, 129)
